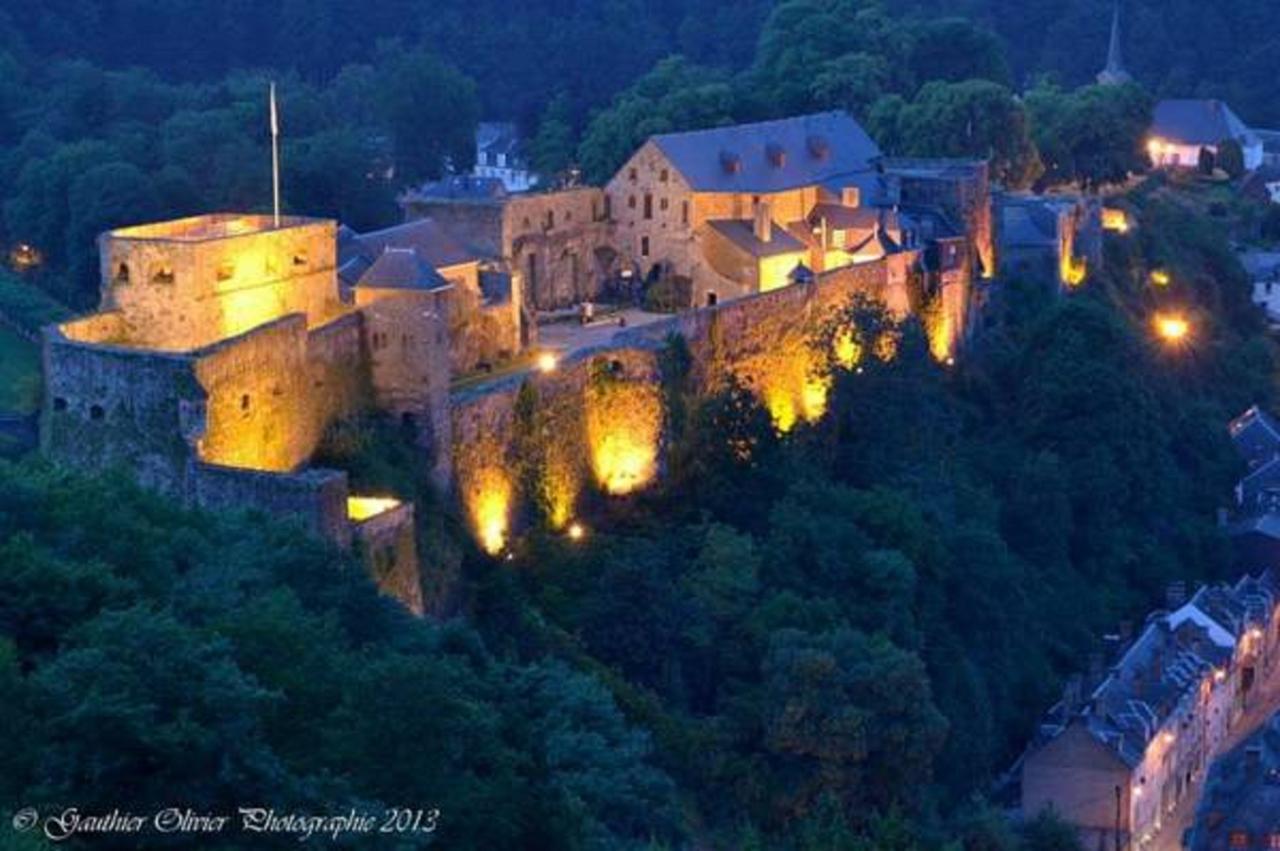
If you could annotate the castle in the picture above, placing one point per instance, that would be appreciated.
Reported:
(226, 345)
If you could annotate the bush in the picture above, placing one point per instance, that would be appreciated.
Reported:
(28, 306)
(668, 294)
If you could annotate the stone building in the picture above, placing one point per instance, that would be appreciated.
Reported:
(224, 349)
(730, 212)
(1052, 239)
(1126, 745)
(559, 244)
(479, 302)
(678, 199)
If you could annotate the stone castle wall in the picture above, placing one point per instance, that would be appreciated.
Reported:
(109, 406)
(560, 244)
(545, 443)
(387, 544)
(317, 497)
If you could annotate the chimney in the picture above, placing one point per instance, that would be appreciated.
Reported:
(851, 196)
(1071, 697)
(1253, 764)
(1097, 668)
(1175, 595)
(762, 224)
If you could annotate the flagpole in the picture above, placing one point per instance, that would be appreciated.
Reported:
(275, 157)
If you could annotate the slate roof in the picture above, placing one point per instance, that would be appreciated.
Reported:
(460, 187)
(741, 233)
(1238, 799)
(771, 156)
(1170, 658)
(401, 269)
(498, 137)
(1199, 122)
(840, 217)
(1028, 224)
(1256, 436)
(433, 243)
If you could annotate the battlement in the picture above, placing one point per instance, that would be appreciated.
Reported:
(184, 284)
(212, 226)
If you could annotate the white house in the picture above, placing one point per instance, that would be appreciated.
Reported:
(499, 155)
(1181, 128)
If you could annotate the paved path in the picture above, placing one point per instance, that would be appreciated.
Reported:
(1263, 703)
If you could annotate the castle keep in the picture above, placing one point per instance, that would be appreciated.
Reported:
(223, 351)
(227, 345)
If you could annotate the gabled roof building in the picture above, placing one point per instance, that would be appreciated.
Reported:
(1121, 750)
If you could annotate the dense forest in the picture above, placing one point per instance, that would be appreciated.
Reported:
(837, 638)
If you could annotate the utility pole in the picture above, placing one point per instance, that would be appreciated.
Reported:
(1118, 848)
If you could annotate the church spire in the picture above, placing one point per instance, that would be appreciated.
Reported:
(1114, 74)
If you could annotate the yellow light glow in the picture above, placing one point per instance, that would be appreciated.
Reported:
(1074, 270)
(577, 532)
(1115, 220)
(624, 426)
(547, 362)
(1172, 327)
(782, 410)
(25, 256)
(490, 496)
(813, 397)
(847, 350)
(1160, 278)
(363, 507)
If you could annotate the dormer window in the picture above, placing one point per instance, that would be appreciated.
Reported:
(730, 162)
(817, 146)
(226, 271)
(775, 154)
(122, 273)
(300, 258)
(163, 274)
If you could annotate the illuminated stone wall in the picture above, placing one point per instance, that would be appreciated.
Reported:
(592, 426)
(271, 393)
(386, 543)
(560, 245)
(183, 285)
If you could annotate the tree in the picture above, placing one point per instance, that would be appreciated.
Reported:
(954, 50)
(1206, 162)
(848, 716)
(431, 110)
(975, 118)
(1231, 158)
(675, 95)
(1093, 136)
(553, 146)
(104, 197)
